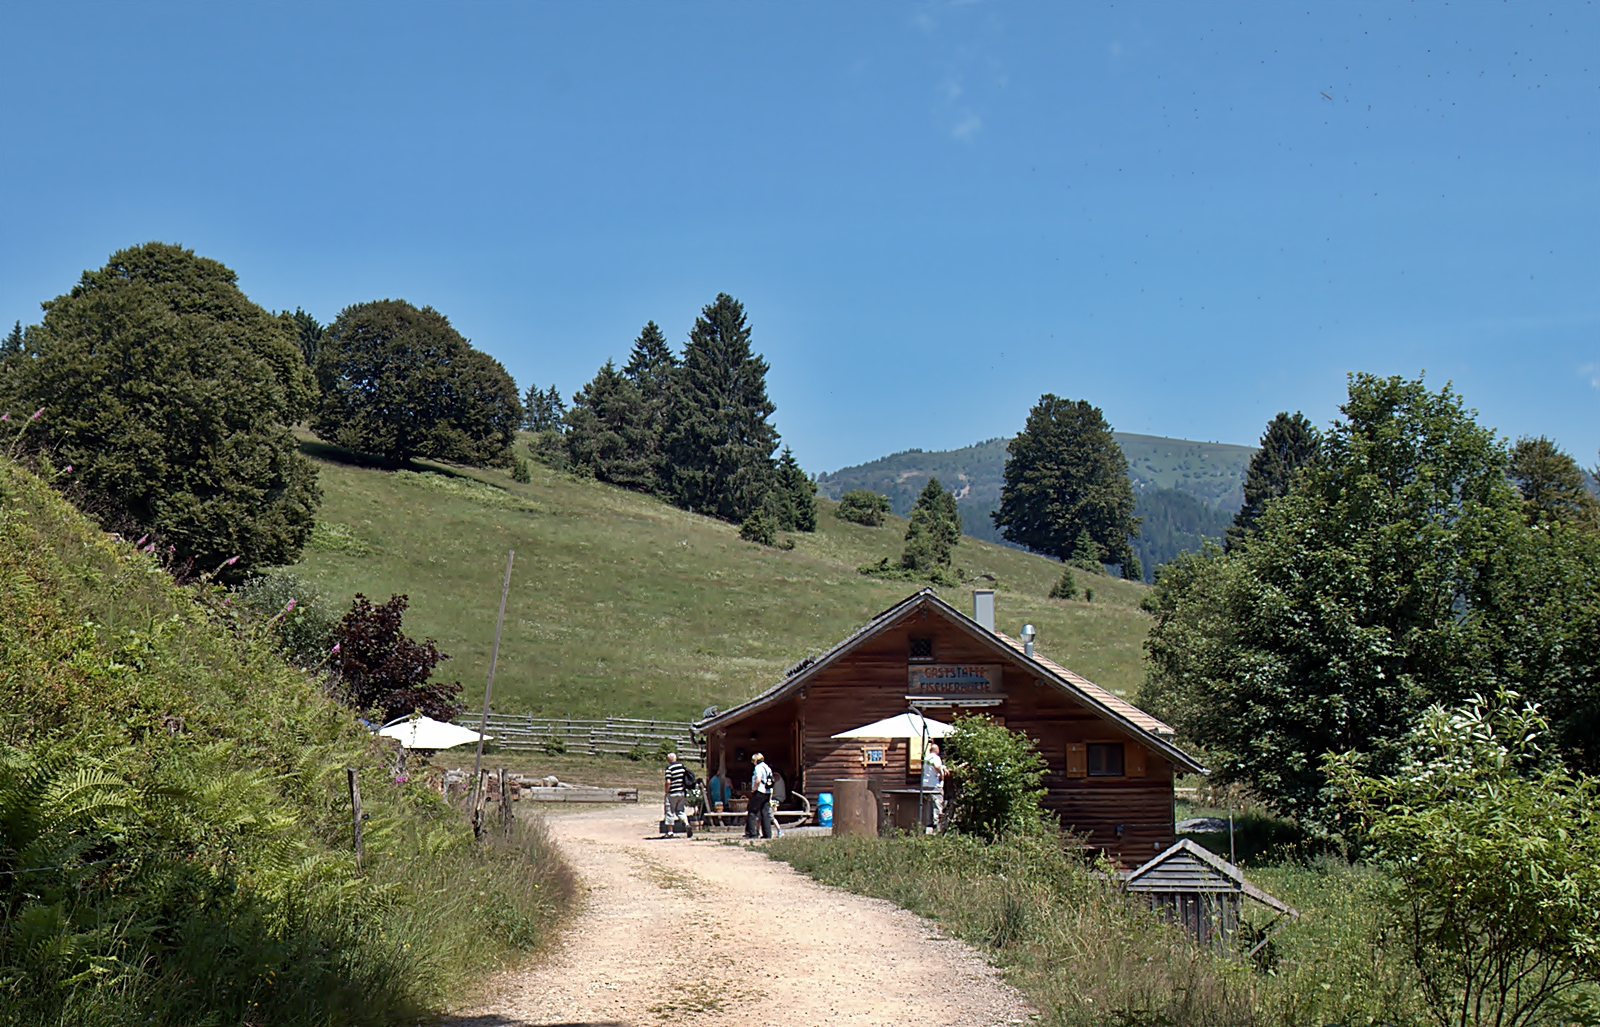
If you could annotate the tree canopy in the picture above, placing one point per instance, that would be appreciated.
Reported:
(1551, 483)
(170, 395)
(933, 534)
(719, 442)
(1398, 571)
(399, 382)
(1064, 475)
(610, 433)
(1290, 443)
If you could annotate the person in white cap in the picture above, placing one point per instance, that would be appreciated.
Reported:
(760, 811)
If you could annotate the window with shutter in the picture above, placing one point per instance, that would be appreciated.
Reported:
(1105, 759)
(1134, 755)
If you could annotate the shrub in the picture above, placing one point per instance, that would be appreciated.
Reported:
(863, 506)
(1067, 587)
(382, 669)
(998, 776)
(1494, 855)
(761, 528)
(294, 614)
(520, 471)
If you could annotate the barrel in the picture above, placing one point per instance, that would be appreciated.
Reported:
(825, 809)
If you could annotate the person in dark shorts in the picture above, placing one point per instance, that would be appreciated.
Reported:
(760, 811)
(677, 787)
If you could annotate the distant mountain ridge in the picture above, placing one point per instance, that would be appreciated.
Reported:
(1187, 490)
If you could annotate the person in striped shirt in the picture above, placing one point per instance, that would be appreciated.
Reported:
(676, 790)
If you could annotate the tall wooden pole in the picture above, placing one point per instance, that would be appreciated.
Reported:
(488, 691)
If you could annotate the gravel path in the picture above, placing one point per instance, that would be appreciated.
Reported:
(680, 931)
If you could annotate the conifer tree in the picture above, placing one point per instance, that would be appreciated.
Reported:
(794, 496)
(609, 433)
(651, 364)
(308, 332)
(1550, 482)
(718, 443)
(543, 410)
(1289, 444)
(1066, 475)
(934, 532)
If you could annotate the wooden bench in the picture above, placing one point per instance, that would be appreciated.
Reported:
(782, 817)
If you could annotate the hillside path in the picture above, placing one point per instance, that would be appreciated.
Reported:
(699, 932)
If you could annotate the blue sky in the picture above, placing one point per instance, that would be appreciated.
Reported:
(1193, 215)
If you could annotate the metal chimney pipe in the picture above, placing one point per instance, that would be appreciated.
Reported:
(983, 608)
(1028, 635)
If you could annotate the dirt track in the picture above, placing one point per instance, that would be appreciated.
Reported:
(679, 931)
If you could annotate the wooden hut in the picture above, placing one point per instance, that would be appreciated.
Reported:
(1201, 891)
(1110, 764)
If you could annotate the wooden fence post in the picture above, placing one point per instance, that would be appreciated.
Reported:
(505, 802)
(355, 809)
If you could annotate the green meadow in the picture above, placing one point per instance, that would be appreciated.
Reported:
(623, 604)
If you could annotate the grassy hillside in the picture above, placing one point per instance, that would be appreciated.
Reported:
(1211, 472)
(624, 604)
(174, 825)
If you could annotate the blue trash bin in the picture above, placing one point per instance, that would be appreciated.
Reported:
(825, 809)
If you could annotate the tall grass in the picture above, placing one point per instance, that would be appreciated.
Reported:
(1086, 955)
(174, 827)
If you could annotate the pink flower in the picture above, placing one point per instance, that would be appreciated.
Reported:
(36, 414)
(150, 548)
(286, 609)
(141, 541)
(69, 468)
(5, 416)
(336, 647)
(231, 561)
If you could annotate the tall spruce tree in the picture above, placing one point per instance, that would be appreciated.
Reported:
(1065, 475)
(651, 364)
(933, 534)
(610, 433)
(718, 443)
(308, 332)
(793, 496)
(1291, 442)
(543, 410)
(1550, 482)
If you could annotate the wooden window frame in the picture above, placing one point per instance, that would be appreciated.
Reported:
(1105, 741)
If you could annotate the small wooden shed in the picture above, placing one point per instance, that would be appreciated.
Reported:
(1201, 891)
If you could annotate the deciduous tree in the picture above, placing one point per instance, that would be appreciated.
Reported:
(399, 382)
(171, 395)
(384, 669)
(863, 506)
(1398, 571)
(1066, 474)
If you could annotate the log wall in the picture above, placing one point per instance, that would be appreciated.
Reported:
(1128, 817)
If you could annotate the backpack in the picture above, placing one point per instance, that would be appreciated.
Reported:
(690, 782)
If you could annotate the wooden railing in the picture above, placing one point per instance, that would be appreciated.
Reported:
(614, 736)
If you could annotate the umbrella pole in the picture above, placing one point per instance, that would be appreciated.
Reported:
(488, 690)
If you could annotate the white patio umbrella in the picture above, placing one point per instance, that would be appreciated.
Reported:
(902, 725)
(427, 733)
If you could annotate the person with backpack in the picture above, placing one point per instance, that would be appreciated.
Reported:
(679, 783)
(760, 811)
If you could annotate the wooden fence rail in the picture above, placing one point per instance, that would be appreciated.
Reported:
(611, 736)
